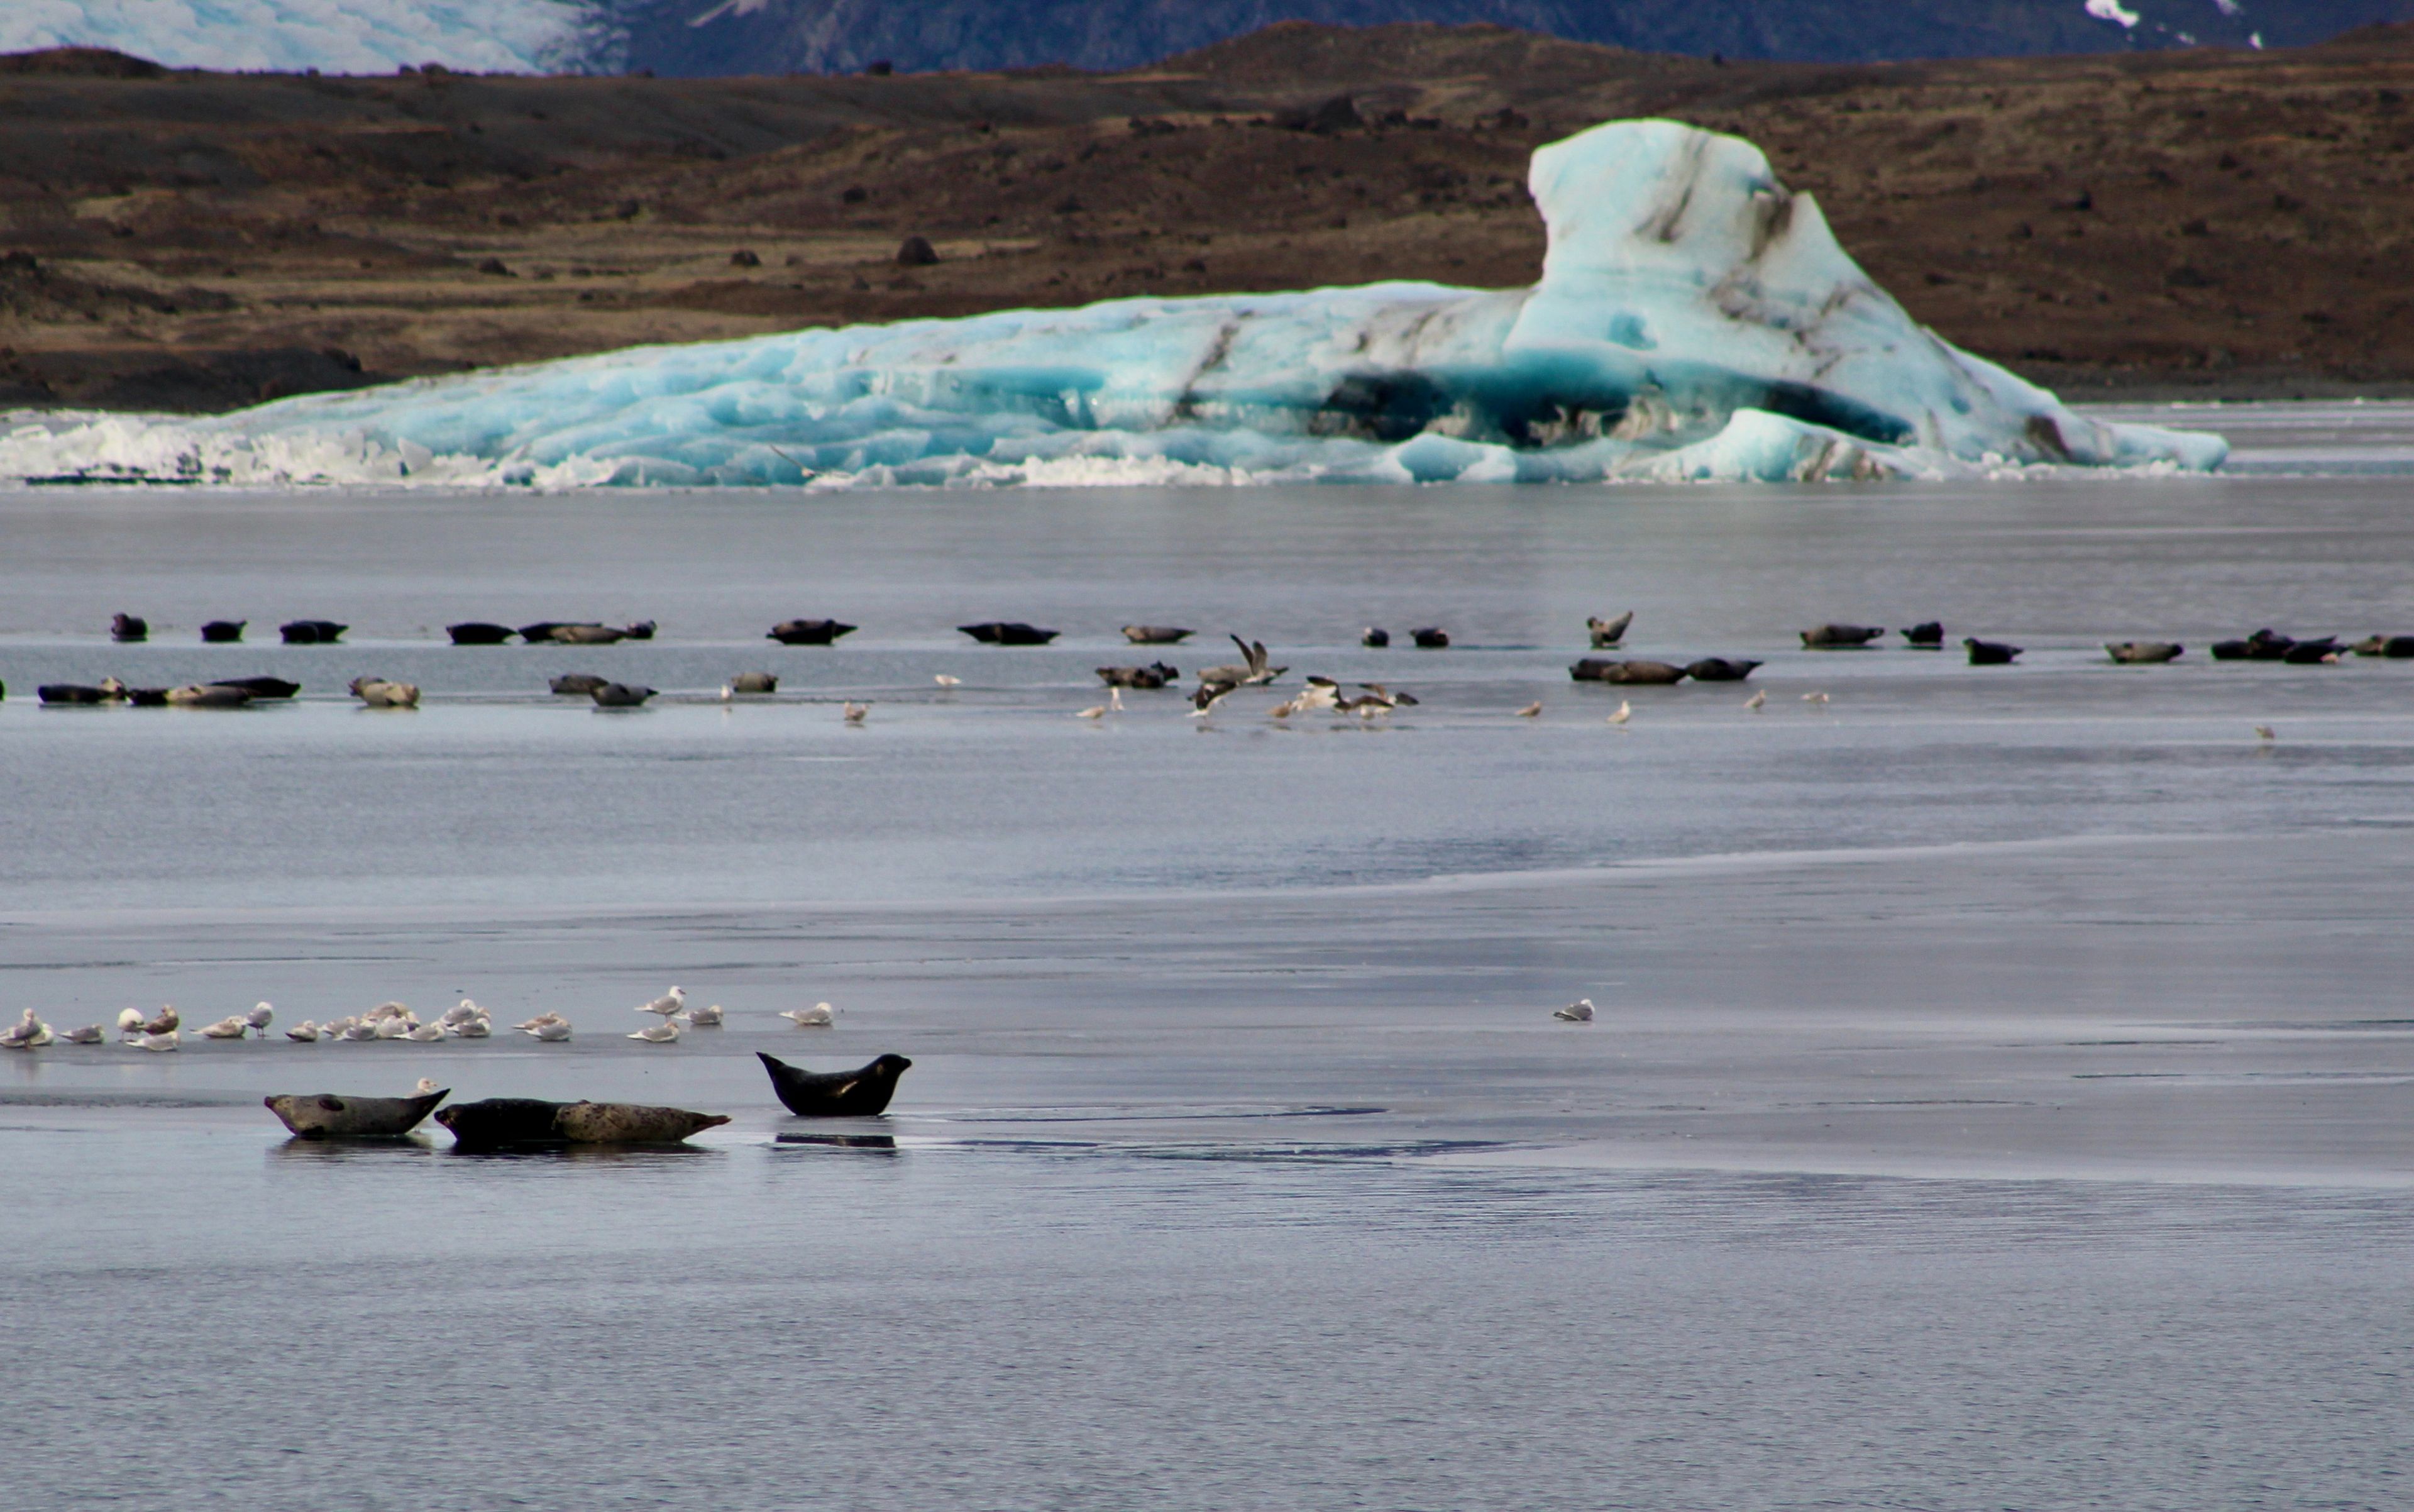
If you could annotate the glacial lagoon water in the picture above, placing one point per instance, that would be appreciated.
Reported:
(2002, 1094)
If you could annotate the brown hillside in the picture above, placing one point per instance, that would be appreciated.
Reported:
(2216, 222)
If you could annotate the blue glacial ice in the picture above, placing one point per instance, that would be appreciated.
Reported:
(1694, 321)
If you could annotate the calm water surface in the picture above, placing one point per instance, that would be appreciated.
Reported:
(2002, 1096)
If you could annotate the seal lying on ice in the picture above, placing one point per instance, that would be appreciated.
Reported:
(499, 1122)
(330, 1115)
(857, 1094)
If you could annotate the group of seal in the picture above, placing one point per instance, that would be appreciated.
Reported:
(549, 632)
(132, 629)
(532, 1123)
(227, 693)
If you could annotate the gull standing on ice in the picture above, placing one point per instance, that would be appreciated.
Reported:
(1533, 710)
(1625, 712)
(27, 1033)
(2266, 734)
(1579, 1011)
(129, 1022)
(259, 1018)
(819, 1017)
(853, 712)
(668, 1004)
(1755, 702)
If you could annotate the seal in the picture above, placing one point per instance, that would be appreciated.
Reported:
(128, 628)
(619, 695)
(1841, 636)
(1155, 675)
(479, 633)
(755, 682)
(1927, 636)
(501, 1123)
(1988, 652)
(332, 1115)
(220, 632)
(2312, 652)
(311, 632)
(631, 1123)
(808, 632)
(1603, 669)
(1156, 634)
(1719, 669)
(2141, 653)
(2265, 645)
(1008, 633)
(577, 684)
(1375, 637)
(75, 693)
(261, 687)
(1431, 637)
(208, 695)
(862, 1093)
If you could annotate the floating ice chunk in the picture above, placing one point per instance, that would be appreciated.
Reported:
(1694, 320)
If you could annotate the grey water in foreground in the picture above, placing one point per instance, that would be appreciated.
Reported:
(2002, 1094)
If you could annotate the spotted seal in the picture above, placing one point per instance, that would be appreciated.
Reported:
(862, 1093)
(332, 1116)
(499, 1123)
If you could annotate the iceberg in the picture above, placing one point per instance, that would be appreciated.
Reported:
(1694, 321)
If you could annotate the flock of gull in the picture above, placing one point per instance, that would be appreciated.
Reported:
(1216, 683)
(466, 1020)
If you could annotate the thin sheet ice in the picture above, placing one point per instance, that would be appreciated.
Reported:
(1695, 320)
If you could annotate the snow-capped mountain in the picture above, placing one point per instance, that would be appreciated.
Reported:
(705, 37)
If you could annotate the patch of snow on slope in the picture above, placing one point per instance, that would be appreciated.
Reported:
(333, 36)
(2113, 10)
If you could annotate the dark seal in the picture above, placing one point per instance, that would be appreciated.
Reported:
(808, 632)
(1008, 633)
(506, 1123)
(479, 633)
(862, 1093)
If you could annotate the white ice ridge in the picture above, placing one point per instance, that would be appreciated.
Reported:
(1694, 321)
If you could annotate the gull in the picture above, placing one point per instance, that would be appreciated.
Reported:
(2266, 734)
(1403, 701)
(461, 1012)
(155, 1041)
(386, 1010)
(669, 1003)
(819, 1017)
(305, 1031)
(27, 1033)
(728, 694)
(1094, 712)
(1251, 671)
(165, 1023)
(230, 1027)
(129, 1021)
(1579, 1011)
(426, 1034)
(1814, 698)
(90, 1034)
(853, 712)
(705, 1018)
(946, 681)
(1208, 697)
(426, 1085)
(552, 1033)
(361, 1029)
(1756, 700)
(1533, 710)
(667, 1032)
(1625, 712)
(476, 1028)
(538, 1022)
(259, 1018)
(391, 1029)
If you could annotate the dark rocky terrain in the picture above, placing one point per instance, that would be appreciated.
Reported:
(2202, 221)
